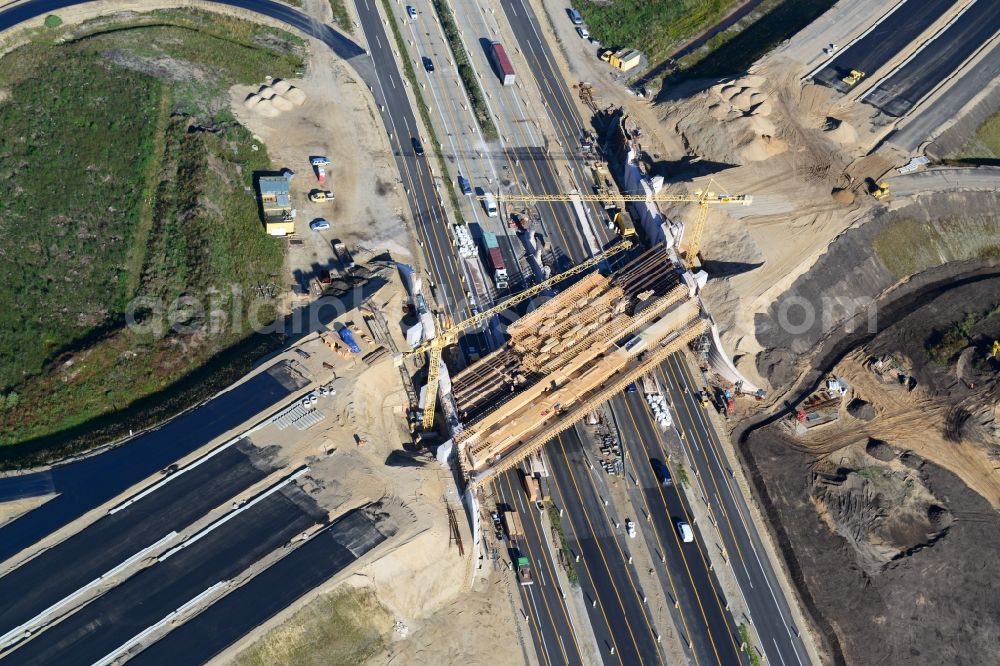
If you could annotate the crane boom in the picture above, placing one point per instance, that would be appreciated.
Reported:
(704, 198)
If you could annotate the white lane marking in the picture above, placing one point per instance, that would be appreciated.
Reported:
(17, 633)
(232, 514)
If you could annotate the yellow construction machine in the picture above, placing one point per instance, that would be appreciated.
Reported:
(852, 79)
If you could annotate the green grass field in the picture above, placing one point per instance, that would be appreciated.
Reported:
(122, 175)
(656, 27)
(985, 145)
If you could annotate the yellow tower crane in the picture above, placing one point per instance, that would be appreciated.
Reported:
(692, 235)
(435, 346)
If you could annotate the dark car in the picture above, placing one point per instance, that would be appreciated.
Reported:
(418, 147)
(463, 184)
(661, 472)
(428, 63)
(632, 388)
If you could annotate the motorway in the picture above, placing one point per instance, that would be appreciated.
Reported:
(622, 620)
(104, 625)
(768, 607)
(896, 31)
(250, 605)
(688, 577)
(903, 88)
(86, 484)
(72, 564)
(605, 574)
(921, 126)
(947, 179)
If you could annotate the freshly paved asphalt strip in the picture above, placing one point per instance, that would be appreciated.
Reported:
(86, 484)
(902, 89)
(879, 46)
(231, 617)
(72, 564)
(921, 126)
(101, 627)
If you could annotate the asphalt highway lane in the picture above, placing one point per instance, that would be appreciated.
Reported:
(86, 484)
(888, 38)
(903, 89)
(72, 564)
(108, 622)
(709, 626)
(620, 618)
(551, 628)
(754, 571)
(250, 605)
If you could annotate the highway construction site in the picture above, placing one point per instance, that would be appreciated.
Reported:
(405, 450)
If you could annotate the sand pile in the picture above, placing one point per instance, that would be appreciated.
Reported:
(840, 131)
(270, 100)
(743, 109)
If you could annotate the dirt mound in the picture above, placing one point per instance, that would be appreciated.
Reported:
(295, 96)
(743, 107)
(281, 86)
(281, 103)
(267, 109)
(861, 409)
(880, 450)
(896, 612)
(882, 510)
(252, 100)
(842, 196)
(840, 131)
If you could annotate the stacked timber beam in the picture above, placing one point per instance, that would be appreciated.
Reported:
(569, 355)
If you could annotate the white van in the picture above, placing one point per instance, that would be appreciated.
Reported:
(687, 536)
(490, 204)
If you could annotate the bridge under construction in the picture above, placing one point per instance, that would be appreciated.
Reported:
(570, 355)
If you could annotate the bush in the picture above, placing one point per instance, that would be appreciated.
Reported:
(52, 21)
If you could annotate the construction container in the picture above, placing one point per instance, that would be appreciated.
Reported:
(625, 59)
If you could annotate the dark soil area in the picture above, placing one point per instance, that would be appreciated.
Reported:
(938, 605)
(846, 294)
(919, 588)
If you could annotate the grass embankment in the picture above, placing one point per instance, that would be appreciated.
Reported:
(341, 18)
(733, 50)
(122, 175)
(465, 72)
(425, 115)
(751, 652)
(659, 28)
(907, 246)
(984, 146)
(943, 346)
(346, 627)
(656, 27)
(571, 573)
